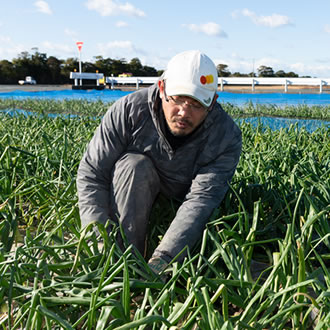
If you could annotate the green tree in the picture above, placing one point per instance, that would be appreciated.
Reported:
(89, 67)
(223, 71)
(54, 66)
(238, 74)
(280, 73)
(34, 64)
(265, 71)
(69, 65)
(283, 74)
(104, 65)
(22, 65)
(292, 75)
(135, 67)
(7, 73)
(119, 66)
(48, 70)
(148, 71)
(39, 68)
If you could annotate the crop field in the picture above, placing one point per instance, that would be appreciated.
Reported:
(96, 108)
(263, 261)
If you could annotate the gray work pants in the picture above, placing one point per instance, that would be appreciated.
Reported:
(135, 186)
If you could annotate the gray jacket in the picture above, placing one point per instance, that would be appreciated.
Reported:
(205, 163)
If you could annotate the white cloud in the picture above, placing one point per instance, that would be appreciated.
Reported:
(113, 48)
(8, 49)
(311, 70)
(111, 8)
(4, 38)
(71, 33)
(121, 24)
(237, 63)
(11, 51)
(298, 67)
(43, 7)
(211, 29)
(60, 48)
(273, 21)
(269, 61)
(327, 28)
(120, 49)
(128, 45)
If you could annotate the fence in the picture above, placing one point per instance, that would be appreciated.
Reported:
(222, 82)
(285, 82)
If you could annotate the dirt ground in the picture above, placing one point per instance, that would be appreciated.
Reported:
(230, 88)
(33, 88)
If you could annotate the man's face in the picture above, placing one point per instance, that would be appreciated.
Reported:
(183, 114)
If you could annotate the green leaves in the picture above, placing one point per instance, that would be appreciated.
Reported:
(52, 274)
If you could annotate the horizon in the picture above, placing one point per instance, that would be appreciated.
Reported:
(244, 37)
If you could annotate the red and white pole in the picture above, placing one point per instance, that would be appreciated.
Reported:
(79, 45)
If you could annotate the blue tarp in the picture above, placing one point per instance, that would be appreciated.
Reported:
(108, 95)
(275, 98)
(105, 95)
(277, 123)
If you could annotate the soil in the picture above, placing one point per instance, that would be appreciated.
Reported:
(33, 88)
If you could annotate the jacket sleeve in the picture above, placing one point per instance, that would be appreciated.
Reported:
(206, 193)
(94, 172)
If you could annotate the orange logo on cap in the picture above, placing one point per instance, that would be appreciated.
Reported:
(206, 79)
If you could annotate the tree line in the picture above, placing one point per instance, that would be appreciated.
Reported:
(51, 70)
(262, 71)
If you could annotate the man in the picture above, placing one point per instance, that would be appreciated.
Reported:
(171, 138)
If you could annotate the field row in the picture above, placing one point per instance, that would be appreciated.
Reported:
(98, 108)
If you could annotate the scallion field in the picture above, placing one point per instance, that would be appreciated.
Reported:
(263, 261)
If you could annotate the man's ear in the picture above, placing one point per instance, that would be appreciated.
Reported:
(161, 87)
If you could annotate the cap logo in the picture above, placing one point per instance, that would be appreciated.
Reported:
(206, 79)
(207, 101)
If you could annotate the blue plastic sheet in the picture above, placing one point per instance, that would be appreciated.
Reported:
(108, 95)
(275, 98)
(21, 112)
(105, 95)
(309, 125)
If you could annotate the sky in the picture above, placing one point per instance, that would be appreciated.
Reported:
(289, 35)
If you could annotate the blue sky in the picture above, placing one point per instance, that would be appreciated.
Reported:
(290, 35)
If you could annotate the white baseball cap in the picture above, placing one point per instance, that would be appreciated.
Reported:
(192, 74)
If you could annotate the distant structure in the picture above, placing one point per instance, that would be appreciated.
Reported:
(125, 75)
(245, 83)
(92, 80)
